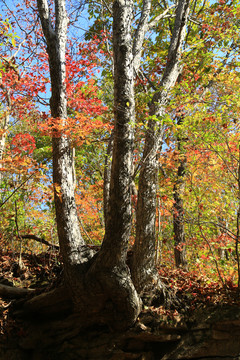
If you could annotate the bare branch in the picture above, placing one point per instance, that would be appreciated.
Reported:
(44, 13)
(84, 230)
(164, 15)
(191, 19)
(15, 190)
(108, 8)
(40, 240)
(17, 51)
(143, 75)
(140, 33)
(142, 28)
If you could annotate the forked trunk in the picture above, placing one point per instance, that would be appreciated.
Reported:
(101, 288)
(113, 273)
(143, 267)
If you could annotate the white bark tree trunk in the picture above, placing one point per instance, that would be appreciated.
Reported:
(70, 239)
(113, 273)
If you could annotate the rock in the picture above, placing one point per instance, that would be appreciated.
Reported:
(209, 333)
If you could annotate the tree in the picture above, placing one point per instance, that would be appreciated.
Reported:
(144, 271)
(100, 285)
(178, 208)
(108, 275)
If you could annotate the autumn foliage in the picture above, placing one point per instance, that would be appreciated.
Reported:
(206, 97)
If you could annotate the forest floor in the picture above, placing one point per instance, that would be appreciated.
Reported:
(41, 273)
(44, 272)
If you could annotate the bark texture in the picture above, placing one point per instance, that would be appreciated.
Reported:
(107, 178)
(143, 267)
(72, 246)
(71, 241)
(118, 225)
(110, 265)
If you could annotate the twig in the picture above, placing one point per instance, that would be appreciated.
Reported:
(20, 263)
(211, 250)
(84, 230)
(15, 190)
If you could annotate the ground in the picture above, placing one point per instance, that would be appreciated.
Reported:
(201, 316)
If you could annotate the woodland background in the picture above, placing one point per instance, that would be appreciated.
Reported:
(121, 150)
(199, 168)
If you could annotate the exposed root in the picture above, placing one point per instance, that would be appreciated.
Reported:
(156, 293)
(11, 292)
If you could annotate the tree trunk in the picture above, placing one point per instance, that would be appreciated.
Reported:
(110, 265)
(118, 225)
(107, 178)
(178, 218)
(178, 210)
(101, 288)
(143, 267)
(72, 246)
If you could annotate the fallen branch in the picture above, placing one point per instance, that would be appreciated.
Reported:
(41, 240)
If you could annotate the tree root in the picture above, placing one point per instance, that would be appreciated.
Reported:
(11, 292)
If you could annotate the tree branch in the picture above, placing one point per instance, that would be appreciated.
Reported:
(41, 240)
(164, 15)
(15, 190)
(140, 34)
(108, 8)
(142, 28)
(173, 69)
(45, 17)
